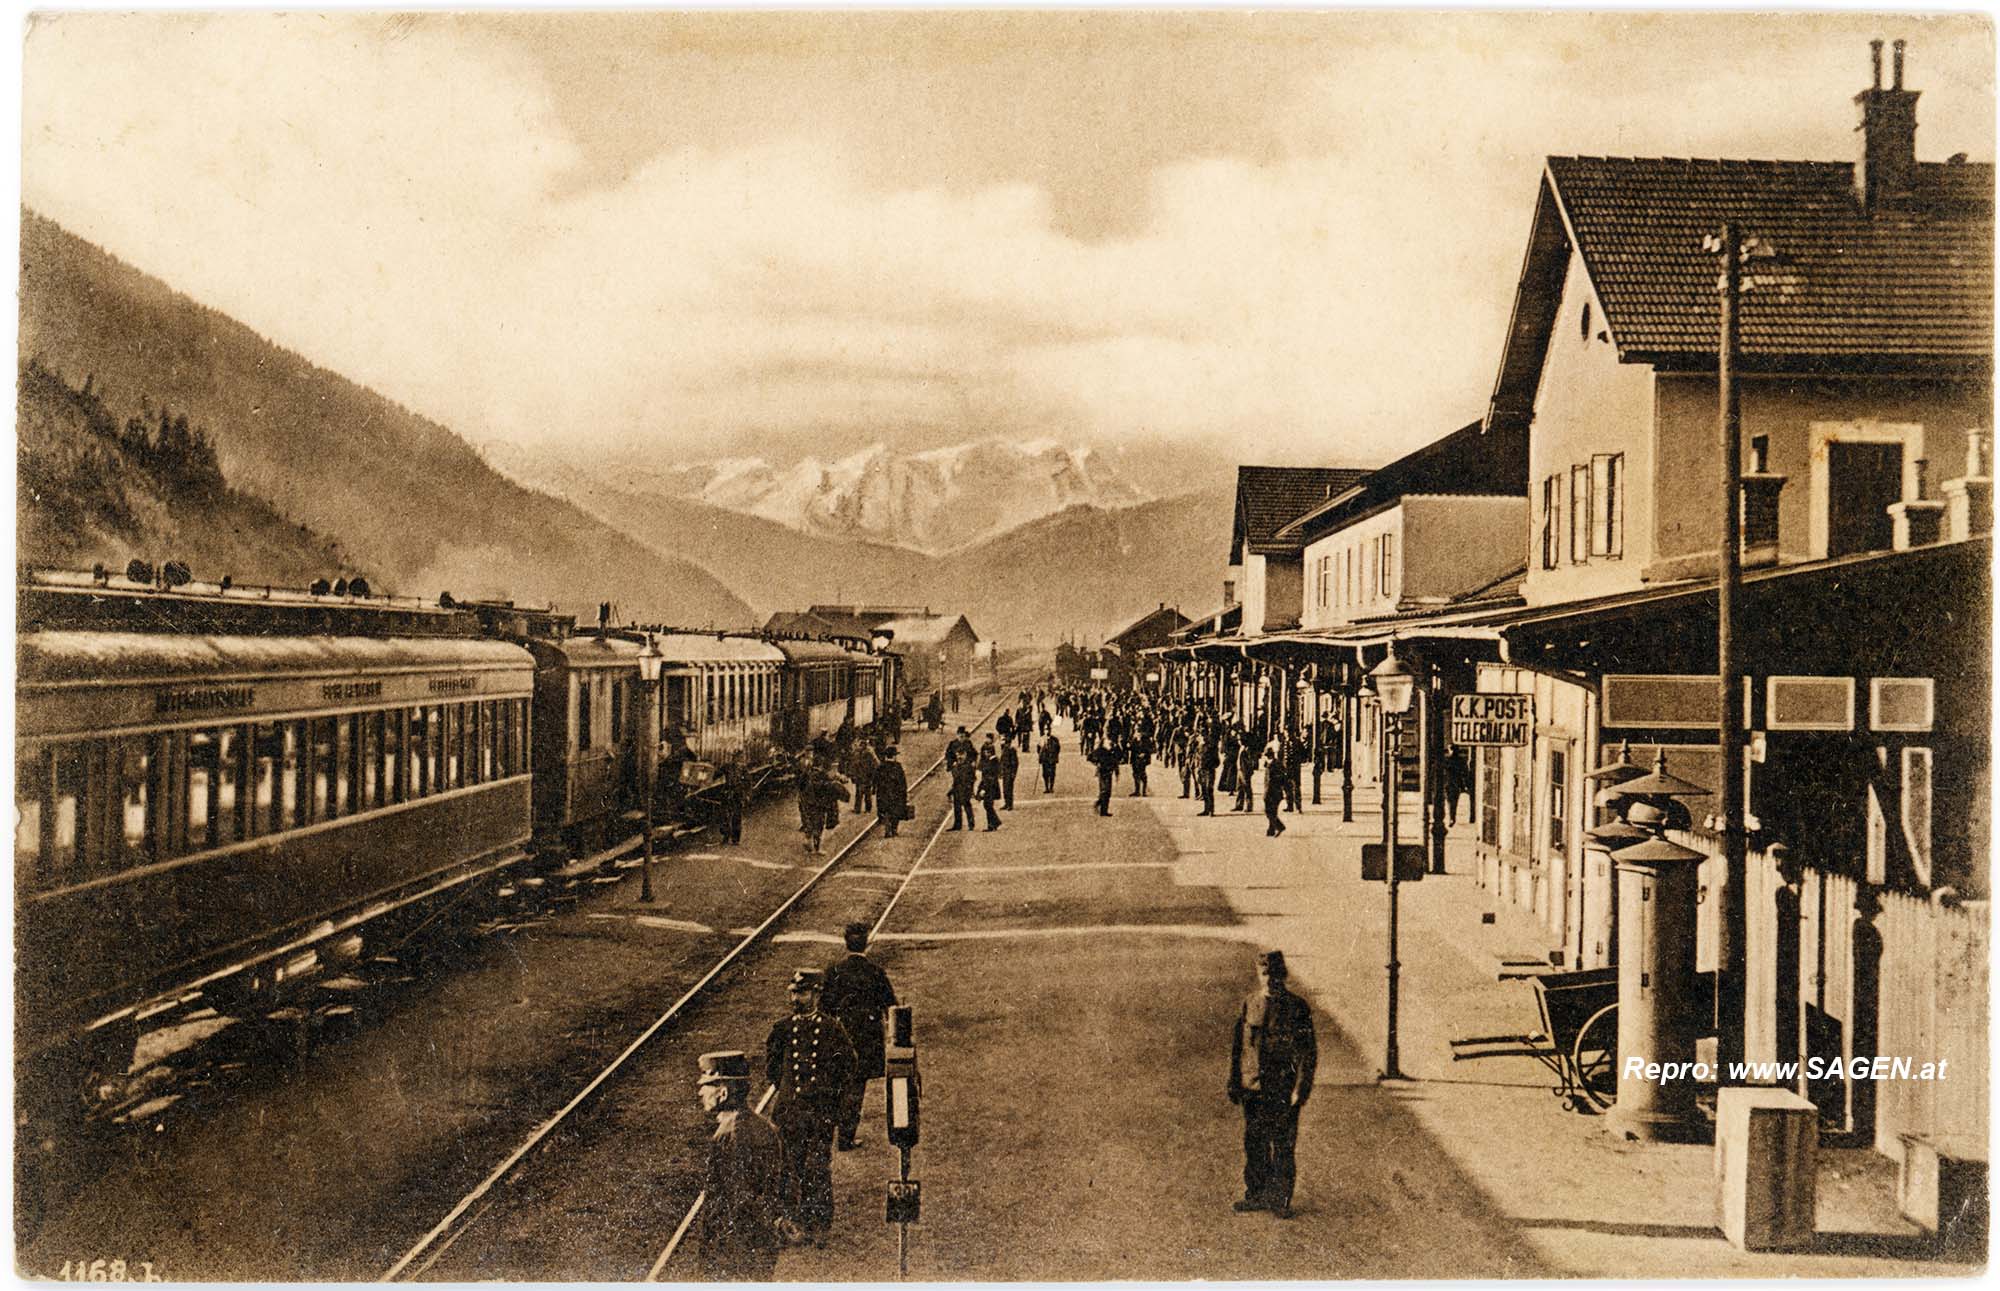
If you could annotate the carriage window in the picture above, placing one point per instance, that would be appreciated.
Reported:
(66, 833)
(203, 748)
(483, 768)
(709, 685)
(617, 712)
(322, 772)
(454, 745)
(343, 767)
(392, 732)
(420, 743)
(30, 792)
(509, 725)
(274, 779)
(368, 758)
(582, 712)
(138, 761)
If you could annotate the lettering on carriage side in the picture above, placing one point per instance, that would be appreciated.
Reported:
(335, 690)
(453, 685)
(206, 699)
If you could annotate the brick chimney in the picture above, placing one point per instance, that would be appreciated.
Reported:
(1888, 168)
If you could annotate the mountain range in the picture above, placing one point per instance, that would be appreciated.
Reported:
(1084, 570)
(1032, 540)
(933, 501)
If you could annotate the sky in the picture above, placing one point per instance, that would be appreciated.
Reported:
(1280, 237)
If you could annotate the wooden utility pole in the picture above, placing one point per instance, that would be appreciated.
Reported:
(1730, 979)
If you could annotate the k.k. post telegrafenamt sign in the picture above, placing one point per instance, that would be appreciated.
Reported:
(1492, 721)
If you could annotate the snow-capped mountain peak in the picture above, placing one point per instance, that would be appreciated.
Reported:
(934, 500)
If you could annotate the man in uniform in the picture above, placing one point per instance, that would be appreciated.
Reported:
(810, 1061)
(858, 996)
(740, 1233)
(1272, 1057)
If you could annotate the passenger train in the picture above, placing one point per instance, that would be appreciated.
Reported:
(227, 790)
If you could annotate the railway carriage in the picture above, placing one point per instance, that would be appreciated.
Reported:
(588, 707)
(819, 689)
(222, 792)
(214, 787)
(720, 695)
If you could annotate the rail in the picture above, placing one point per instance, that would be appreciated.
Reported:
(597, 1083)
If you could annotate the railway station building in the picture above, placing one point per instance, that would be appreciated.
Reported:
(1579, 570)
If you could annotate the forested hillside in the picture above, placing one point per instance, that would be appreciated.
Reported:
(90, 489)
(407, 500)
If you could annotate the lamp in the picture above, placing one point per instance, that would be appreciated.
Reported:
(1395, 686)
(1394, 683)
(651, 664)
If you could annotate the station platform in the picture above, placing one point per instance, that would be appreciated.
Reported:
(1075, 980)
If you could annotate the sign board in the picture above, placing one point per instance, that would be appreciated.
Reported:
(906, 1201)
(1100, 674)
(1409, 863)
(1492, 721)
(1153, 676)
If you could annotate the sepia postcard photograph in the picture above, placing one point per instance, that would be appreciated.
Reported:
(1073, 645)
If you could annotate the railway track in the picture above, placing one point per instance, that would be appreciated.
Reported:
(450, 1250)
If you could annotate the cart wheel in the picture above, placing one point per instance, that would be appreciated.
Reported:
(1595, 1059)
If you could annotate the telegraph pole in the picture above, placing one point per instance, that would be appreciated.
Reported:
(1730, 984)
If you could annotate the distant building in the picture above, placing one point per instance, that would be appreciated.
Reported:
(1156, 628)
(939, 650)
(1266, 570)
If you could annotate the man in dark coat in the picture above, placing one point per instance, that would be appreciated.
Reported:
(740, 1218)
(1010, 766)
(1141, 758)
(808, 1058)
(1005, 726)
(1272, 1058)
(892, 792)
(1210, 758)
(729, 805)
(989, 783)
(1107, 758)
(1051, 754)
(964, 776)
(861, 770)
(858, 995)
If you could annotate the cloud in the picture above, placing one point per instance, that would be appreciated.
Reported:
(398, 200)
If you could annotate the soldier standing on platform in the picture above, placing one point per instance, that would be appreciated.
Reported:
(858, 996)
(741, 1221)
(1051, 754)
(1272, 1058)
(809, 1060)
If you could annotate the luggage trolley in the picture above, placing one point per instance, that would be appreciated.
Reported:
(1578, 1040)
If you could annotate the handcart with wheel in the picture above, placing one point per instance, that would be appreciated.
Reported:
(1578, 1040)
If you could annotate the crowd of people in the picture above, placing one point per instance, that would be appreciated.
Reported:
(1212, 751)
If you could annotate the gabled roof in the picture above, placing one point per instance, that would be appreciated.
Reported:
(1270, 497)
(1166, 614)
(924, 629)
(1210, 624)
(1908, 287)
(1469, 462)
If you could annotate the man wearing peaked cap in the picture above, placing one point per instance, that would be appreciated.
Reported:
(740, 1235)
(1272, 1058)
(810, 1062)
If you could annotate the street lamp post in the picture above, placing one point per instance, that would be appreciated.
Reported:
(651, 661)
(1395, 685)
